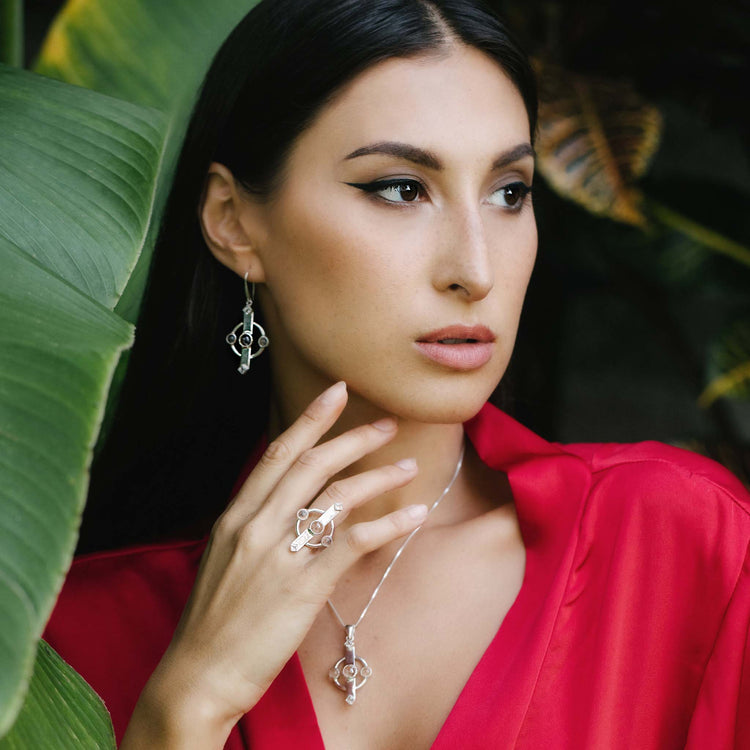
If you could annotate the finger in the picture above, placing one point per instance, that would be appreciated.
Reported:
(317, 465)
(363, 538)
(350, 493)
(357, 490)
(319, 416)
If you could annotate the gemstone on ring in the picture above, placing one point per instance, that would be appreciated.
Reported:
(322, 527)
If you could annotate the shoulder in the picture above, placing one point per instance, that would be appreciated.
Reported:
(117, 579)
(657, 458)
(116, 615)
(649, 488)
(655, 471)
(129, 597)
(675, 506)
(160, 557)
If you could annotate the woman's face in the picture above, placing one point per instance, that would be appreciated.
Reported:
(403, 212)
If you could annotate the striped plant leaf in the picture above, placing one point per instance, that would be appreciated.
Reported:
(729, 365)
(77, 175)
(596, 138)
(61, 711)
(151, 53)
(83, 182)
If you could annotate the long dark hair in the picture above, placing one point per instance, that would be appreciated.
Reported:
(185, 419)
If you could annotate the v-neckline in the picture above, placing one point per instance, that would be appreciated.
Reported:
(548, 485)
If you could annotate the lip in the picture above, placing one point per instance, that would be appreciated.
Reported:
(468, 356)
(481, 334)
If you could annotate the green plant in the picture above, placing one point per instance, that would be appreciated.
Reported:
(639, 128)
(76, 189)
(83, 180)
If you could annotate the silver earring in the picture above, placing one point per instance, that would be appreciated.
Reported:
(245, 336)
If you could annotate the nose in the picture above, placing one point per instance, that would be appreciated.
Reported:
(463, 266)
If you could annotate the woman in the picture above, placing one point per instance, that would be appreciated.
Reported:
(366, 168)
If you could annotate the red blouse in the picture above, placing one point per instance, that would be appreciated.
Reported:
(630, 629)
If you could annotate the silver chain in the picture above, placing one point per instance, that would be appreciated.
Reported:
(402, 547)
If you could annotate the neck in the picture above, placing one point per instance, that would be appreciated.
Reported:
(436, 447)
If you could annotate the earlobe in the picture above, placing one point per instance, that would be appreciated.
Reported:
(226, 224)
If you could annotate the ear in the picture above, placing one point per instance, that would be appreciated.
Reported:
(230, 224)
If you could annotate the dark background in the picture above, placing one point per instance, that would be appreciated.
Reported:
(620, 323)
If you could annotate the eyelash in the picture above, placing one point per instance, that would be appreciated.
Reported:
(381, 185)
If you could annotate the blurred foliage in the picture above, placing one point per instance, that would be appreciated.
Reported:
(595, 139)
(730, 361)
(640, 126)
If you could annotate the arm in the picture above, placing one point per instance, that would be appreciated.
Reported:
(167, 716)
(721, 717)
(254, 600)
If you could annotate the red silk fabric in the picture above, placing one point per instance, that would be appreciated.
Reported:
(630, 629)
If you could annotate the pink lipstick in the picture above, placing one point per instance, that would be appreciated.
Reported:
(458, 347)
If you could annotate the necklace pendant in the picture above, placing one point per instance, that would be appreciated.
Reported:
(350, 672)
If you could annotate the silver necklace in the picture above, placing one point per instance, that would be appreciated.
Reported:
(351, 672)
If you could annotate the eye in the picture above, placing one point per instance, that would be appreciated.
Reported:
(511, 196)
(393, 191)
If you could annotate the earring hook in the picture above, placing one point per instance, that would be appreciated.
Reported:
(249, 295)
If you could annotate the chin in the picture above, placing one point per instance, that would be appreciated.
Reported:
(447, 413)
(450, 400)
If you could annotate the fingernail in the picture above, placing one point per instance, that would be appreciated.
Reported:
(416, 511)
(333, 394)
(388, 424)
(407, 464)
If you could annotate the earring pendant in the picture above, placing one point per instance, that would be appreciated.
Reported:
(242, 337)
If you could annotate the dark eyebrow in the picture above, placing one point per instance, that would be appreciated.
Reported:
(515, 154)
(428, 159)
(402, 150)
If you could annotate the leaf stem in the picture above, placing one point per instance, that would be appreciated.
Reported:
(707, 237)
(11, 33)
(724, 384)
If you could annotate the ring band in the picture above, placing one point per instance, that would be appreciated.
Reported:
(321, 527)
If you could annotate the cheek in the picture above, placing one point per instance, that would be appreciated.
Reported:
(328, 239)
(326, 264)
(515, 258)
(527, 259)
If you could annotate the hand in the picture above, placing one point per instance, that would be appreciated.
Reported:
(254, 600)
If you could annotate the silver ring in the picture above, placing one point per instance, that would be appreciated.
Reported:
(319, 533)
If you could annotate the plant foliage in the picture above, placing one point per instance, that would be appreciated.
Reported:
(76, 186)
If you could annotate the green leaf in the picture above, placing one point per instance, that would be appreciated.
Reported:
(79, 180)
(729, 365)
(83, 182)
(152, 53)
(11, 32)
(596, 138)
(61, 712)
(77, 175)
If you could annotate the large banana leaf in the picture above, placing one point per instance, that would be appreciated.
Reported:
(77, 177)
(83, 180)
(144, 51)
(61, 711)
